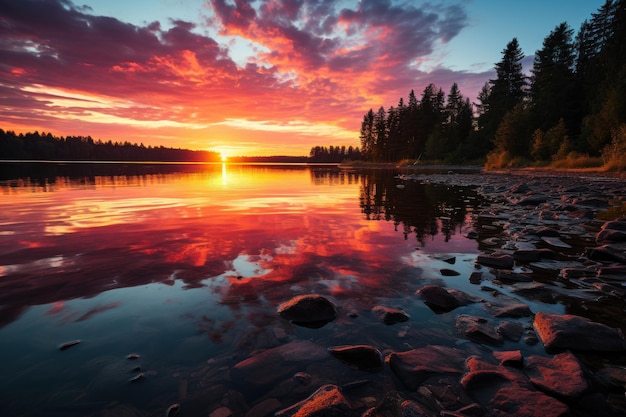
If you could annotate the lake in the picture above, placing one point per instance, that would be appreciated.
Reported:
(182, 267)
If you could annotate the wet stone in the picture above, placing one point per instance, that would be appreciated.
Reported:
(308, 310)
(328, 400)
(498, 261)
(363, 357)
(476, 277)
(512, 358)
(533, 255)
(416, 365)
(610, 236)
(562, 375)
(511, 330)
(440, 300)
(506, 306)
(478, 329)
(446, 272)
(390, 315)
(606, 253)
(577, 333)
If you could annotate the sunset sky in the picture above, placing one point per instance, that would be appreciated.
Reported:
(263, 77)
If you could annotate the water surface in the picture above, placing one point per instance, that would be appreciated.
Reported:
(185, 265)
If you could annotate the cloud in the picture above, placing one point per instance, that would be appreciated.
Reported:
(310, 62)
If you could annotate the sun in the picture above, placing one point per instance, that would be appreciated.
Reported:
(224, 157)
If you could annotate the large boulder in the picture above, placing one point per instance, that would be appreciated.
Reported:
(416, 365)
(497, 261)
(310, 310)
(577, 333)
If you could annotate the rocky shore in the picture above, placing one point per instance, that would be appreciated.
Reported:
(557, 239)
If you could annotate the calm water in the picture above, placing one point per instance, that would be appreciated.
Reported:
(185, 266)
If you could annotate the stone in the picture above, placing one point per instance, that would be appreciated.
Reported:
(614, 225)
(328, 400)
(478, 329)
(506, 306)
(362, 357)
(556, 242)
(511, 276)
(311, 309)
(393, 404)
(511, 330)
(532, 200)
(276, 364)
(415, 366)
(447, 272)
(476, 277)
(221, 412)
(561, 376)
(606, 253)
(610, 236)
(390, 315)
(577, 333)
(440, 300)
(498, 261)
(264, 408)
(506, 392)
(512, 358)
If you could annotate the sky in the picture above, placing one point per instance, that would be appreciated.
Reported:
(264, 77)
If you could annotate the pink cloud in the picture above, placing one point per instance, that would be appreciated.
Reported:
(316, 62)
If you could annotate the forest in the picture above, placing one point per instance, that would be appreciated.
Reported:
(42, 146)
(570, 111)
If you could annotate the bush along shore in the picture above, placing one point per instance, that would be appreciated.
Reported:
(546, 336)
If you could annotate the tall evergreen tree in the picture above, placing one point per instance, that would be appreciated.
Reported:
(367, 136)
(553, 91)
(507, 90)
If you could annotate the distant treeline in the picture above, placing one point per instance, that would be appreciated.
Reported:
(334, 154)
(45, 146)
(571, 108)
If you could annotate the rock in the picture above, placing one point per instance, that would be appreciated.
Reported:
(562, 375)
(326, 401)
(533, 255)
(611, 236)
(264, 408)
(221, 412)
(416, 365)
(591, 202)
(309, 310)
(614, 225)
(392, 405)
(362, 357)
(273, 365)
(447, 272)
(506, 306)
(389, 315)
(606, 253)
(615, 273)
(510, 276)
(67, 345)
(577, 333)
(512, 358)
(498, 261)
(511, 330)
(546, 232)
(441, 300)
(520, 188)
(476, 277)
(556, 242)
(478, 329)
(532, 200)
(506, 392)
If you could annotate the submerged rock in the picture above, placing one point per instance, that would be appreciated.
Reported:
(309, 310)
(276, 364)
(478, 329)
(577, 333)
(415, 366)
